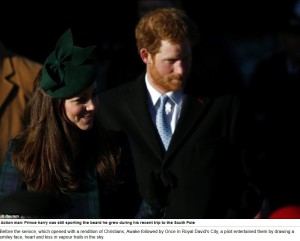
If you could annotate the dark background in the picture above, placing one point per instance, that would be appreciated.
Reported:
(33, 29)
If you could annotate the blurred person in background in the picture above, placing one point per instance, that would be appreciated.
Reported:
(17, 75)
(274, 101)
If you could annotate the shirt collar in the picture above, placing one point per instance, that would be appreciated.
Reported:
(175, 96)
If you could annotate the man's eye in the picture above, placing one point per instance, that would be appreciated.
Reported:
(171, 61)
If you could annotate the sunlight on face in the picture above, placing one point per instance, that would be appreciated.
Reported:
(80, 109)
(171, 66)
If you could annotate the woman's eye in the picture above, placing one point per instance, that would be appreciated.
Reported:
(82, 100)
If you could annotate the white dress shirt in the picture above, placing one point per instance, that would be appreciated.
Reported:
(173, 106)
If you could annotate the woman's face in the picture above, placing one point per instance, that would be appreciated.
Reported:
(80, 109)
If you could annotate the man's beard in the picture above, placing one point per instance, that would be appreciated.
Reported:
(170, 82)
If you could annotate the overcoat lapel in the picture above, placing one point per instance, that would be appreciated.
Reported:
(192, 110)
(136, 100)
(6, 87)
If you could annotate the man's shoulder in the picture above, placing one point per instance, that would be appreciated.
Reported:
(118, 91)
(212, 95)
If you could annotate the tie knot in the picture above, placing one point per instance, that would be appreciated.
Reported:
(163, 99)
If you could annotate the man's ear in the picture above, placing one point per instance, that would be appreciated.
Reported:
(145, 56)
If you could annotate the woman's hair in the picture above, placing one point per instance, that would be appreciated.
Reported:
(169, 24)
(50, 153)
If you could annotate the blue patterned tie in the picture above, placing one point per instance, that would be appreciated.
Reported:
(162, 124)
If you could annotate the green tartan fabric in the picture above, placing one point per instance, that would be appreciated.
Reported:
(84, 204)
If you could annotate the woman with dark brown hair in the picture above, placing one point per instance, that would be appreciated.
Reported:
(64, 150)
